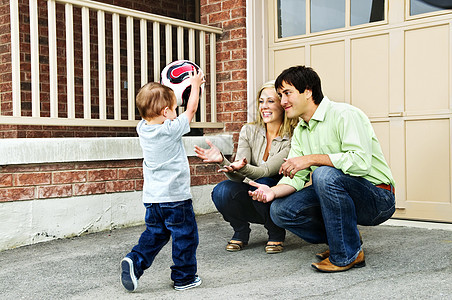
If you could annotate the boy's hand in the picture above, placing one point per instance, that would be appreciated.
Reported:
(196, 79)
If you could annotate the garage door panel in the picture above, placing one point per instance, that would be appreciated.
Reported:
(328, 60)
(428, 161)
(370, 74)
(427, 77)
(286, 58)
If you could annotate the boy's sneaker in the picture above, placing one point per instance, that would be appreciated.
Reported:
(195, 283)
(128, 278)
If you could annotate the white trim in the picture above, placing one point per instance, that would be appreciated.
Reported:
(418, 224)
(30, 222)
(256, 51)
(53, 150)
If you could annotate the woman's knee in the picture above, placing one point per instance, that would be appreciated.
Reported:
(223, 192)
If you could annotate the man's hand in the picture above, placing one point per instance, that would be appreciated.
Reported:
(292, 165)
(212, 155)
(235, 166)
(263, 193)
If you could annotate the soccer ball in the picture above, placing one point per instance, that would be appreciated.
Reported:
(175, 76)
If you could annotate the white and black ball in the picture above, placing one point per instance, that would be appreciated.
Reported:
(175, 76)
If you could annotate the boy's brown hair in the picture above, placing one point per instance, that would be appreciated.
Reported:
(152, 98)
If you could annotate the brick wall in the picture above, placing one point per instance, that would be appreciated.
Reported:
(183, 9)
(26, 182)
(60, 180)
(230, 15)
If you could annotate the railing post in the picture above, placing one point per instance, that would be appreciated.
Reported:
(86, 64)
(102, 65)
(15, 57)
(53, 71)
(34, 52)
(144, 51)
(70, 89)
(116, 68)
(130, 70)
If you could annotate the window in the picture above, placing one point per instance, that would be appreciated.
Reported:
(291, 17)
(421, 7)
(366, 11)
(325, 15)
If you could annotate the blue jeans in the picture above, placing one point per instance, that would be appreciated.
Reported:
(233, 202)
(330, 209)
(165, 220)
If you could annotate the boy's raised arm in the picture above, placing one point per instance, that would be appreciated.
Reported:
(192, 105)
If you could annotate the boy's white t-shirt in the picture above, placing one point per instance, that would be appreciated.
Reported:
(166, 170)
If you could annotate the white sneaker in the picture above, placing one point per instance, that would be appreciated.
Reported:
(128, 278)
(195, 283)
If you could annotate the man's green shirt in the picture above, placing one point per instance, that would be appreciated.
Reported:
(344, 133)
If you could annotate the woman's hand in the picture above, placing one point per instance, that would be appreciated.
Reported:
(235, 166)
(212, 155)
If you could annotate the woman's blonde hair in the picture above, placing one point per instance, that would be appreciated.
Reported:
(288, 125)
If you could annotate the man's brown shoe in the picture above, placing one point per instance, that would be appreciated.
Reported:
(323, 255)
(326, 266)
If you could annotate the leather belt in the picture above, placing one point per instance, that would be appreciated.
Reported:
(388, 187)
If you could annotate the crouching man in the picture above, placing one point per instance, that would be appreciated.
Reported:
(351, 181)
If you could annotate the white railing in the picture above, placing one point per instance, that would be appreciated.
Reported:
(65, 103)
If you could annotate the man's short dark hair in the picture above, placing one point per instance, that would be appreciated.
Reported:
(302, 78)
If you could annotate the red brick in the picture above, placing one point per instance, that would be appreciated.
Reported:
(239, 75)
(231, 4)
(12, 194)
(131, 173)
(6, 180)
(101, 175)
(212, 8)
(125, 163)
(22, 179)
(55, 191)
(139, 184)
(206, 169)
(213, 179)
(120, 186)
(235, 86)
(238, 33)
(57, 167)
(69, 177)
(239, 96)
(233, 126)
(218, 17)
(239, 13)
(90, 188)
(199, 180)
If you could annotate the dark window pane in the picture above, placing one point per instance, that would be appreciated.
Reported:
(366, 11)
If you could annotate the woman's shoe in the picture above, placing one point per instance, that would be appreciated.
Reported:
(234, 246)
(274, 248)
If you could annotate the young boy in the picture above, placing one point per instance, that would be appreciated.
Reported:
(166, 190)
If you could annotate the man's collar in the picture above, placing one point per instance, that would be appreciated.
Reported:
(319, 114)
